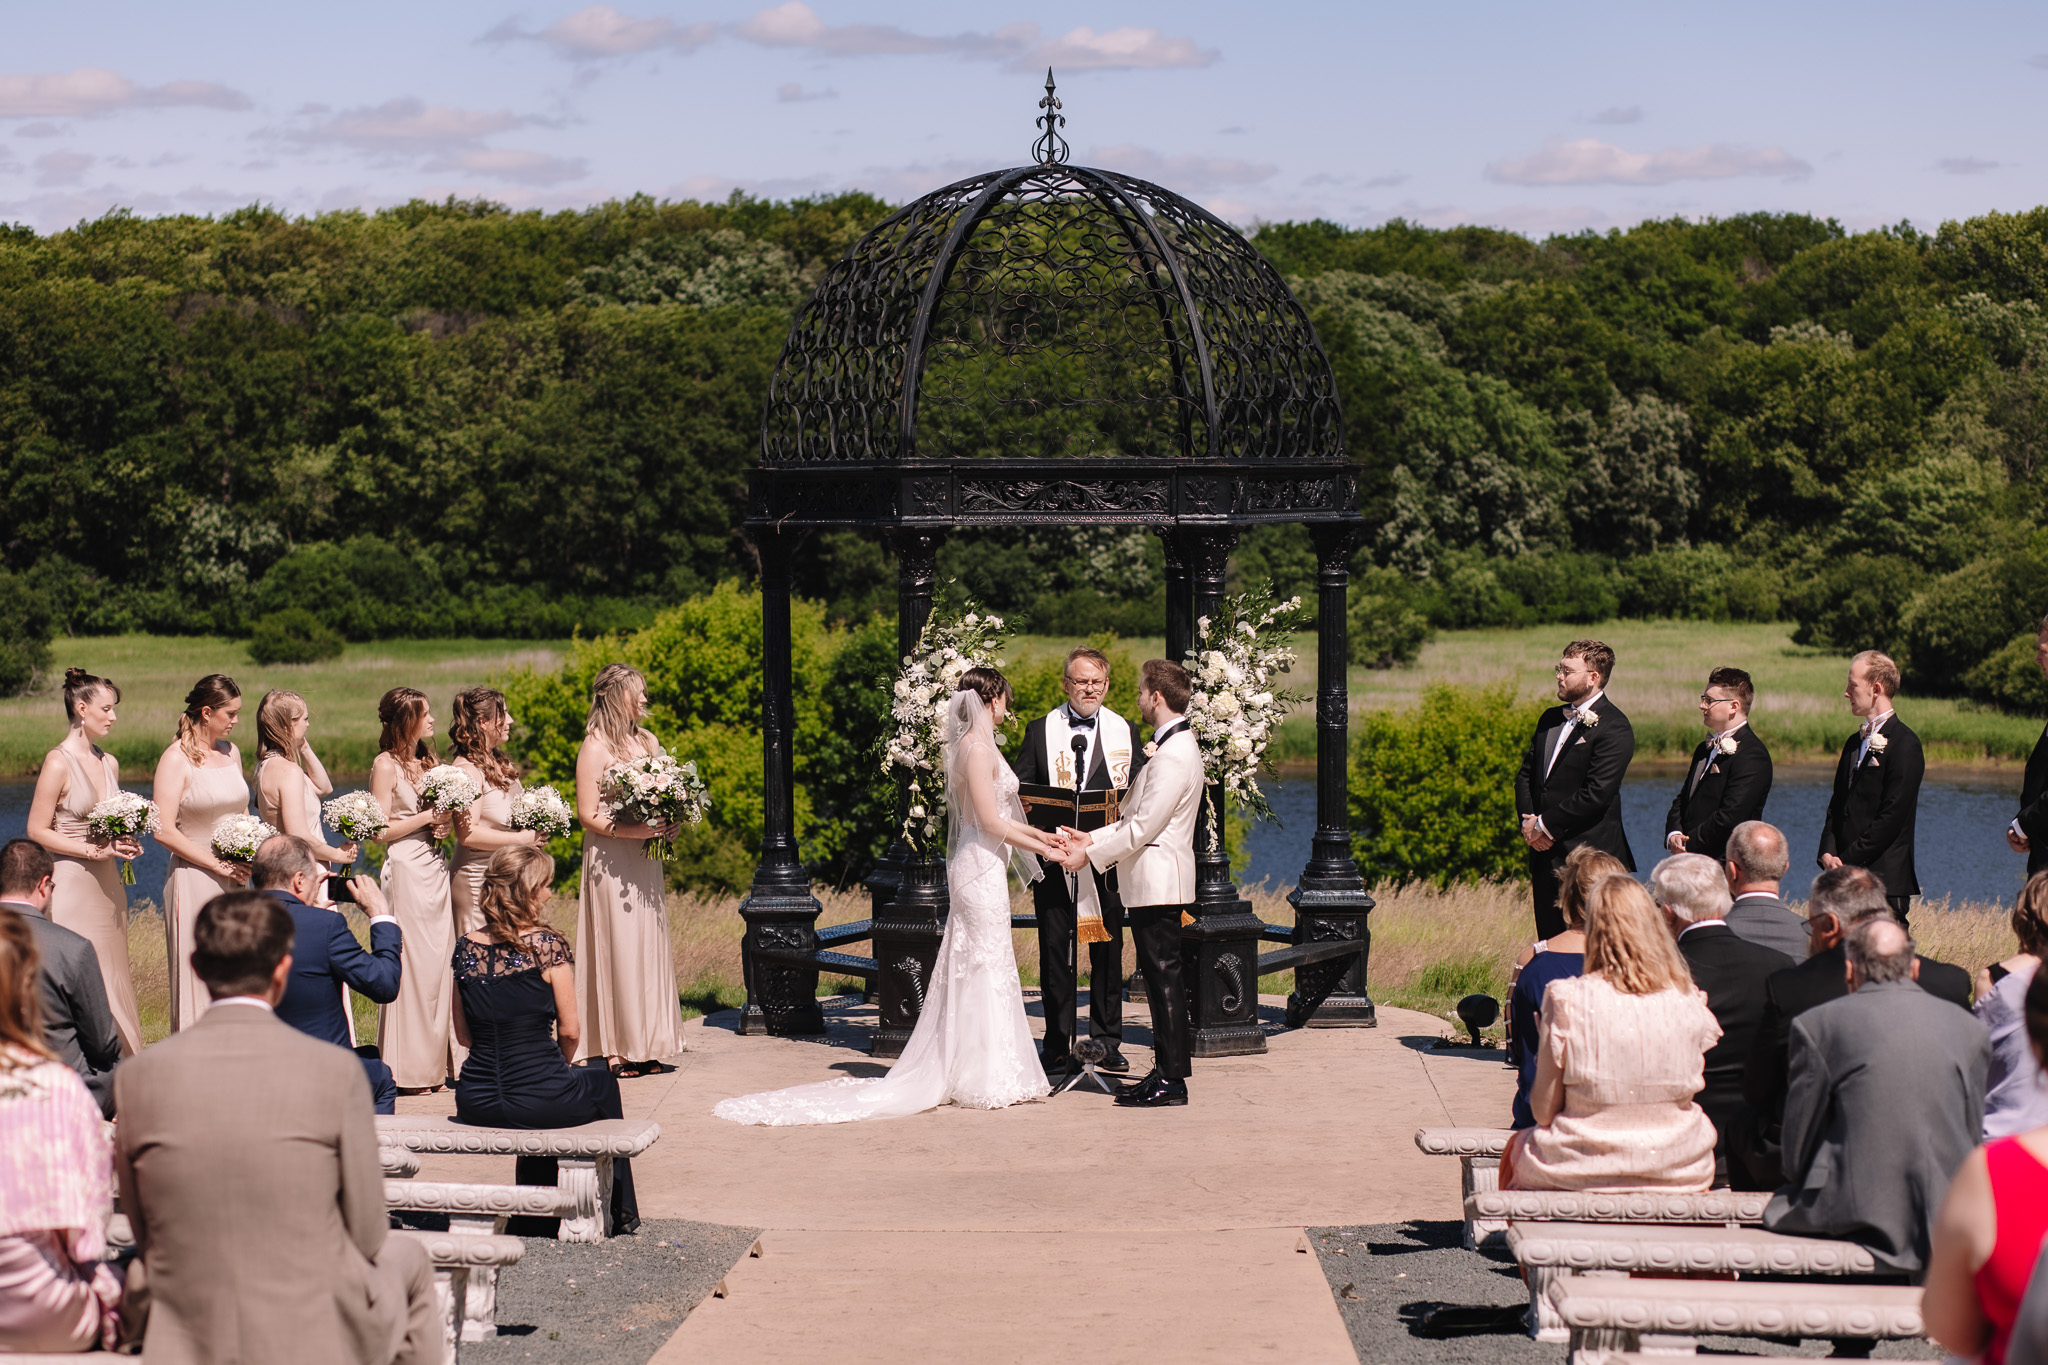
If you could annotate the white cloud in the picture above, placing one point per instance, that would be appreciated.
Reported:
(1120, 49)
(408, 124)
(1966, 165)
(1620, 113)
(41, 129)
(1380, 182)
(62, 168)
(94, 90)
(512, 163)
(795, 24)
(792, 93)
(1589, 161)
(2040, 60)
(600, 31)
(1182, 172)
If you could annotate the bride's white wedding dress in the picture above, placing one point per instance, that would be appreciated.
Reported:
(972, 1045)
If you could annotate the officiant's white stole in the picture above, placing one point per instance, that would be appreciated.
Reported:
(1112, 735)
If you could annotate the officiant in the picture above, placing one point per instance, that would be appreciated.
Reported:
(1081, 746)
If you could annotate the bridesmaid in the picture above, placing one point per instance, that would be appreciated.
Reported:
(625, 965)
(481, 726)
(290, 779)
(414, 1032)
(89, 899)
(198, 780)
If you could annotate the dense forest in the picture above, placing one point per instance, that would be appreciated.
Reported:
(457, 419)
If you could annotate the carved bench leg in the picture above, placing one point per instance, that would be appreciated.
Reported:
(451, 1285)
(587, 1181)
(1476, 1173)
(1590, 1345)
(480, 1284)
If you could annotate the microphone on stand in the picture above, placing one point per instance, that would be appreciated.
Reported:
(1079, 744)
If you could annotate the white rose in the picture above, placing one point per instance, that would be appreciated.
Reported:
(1247, 628)
(917, 812)
(1234, 673)
(1225, 704)
(1262, 699)
(949, 653)
(995, 623)
(902, 687)
(970, 619)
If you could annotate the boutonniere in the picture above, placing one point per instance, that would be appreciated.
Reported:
(1878, 743)
(1726, 744)
(1152, 749)
(1590, 719)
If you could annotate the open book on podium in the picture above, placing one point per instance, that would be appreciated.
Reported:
(1047, 808)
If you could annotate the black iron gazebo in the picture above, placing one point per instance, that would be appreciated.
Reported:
(1054, 344)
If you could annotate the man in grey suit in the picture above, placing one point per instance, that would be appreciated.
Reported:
(1886, 1099)
(1756, 863)
(77, 1022)
(247, 1160)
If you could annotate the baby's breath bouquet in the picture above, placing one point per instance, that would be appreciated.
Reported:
(355, 816)
(946, 648)
(543, 809)
(1235, 708)
(448, 789)
(124, 815)
(237, 837)
(656, 790)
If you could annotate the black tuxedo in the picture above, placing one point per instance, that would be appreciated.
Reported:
(1732, 971)
(2033, 816)
(1579, 799)
(1870, 818)
(1733, 790)
(1058, 972)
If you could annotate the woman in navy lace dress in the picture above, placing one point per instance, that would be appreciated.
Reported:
(515, 1010)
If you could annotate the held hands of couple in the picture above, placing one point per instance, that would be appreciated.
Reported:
(1070, 848)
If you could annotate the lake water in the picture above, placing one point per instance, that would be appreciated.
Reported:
(1960, 846)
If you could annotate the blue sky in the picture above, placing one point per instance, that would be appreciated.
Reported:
(1534, 117)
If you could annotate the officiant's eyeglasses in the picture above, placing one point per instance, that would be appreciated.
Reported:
(1088, 684)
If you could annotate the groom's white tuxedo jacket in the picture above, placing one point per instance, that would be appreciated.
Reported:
(1152, 846)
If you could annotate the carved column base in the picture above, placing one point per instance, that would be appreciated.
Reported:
(1332, 994)
(906, 942)
(588, 1181)
(470, 1292)
(1220, 962)
(780, 1000)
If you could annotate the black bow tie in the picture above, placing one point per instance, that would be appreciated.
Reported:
(1075, 722)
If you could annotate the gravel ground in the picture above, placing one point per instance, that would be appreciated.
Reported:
(1386, 1276)
(607, 1303)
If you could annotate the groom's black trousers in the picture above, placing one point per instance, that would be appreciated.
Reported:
(1058, 974)
(1156, 930)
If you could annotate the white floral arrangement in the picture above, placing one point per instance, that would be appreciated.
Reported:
(124, 815)
(449, 789)
(946, 648)
(237, 837)
(543, 810)
(355, 816)
(656, 790)
(1235, 707)
(1879, 742)
(1727, 744)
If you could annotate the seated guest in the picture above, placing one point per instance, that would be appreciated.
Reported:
(515, 1010)
(1693, 891)
(1756, 862)
(247, 1158)
(1548, 960)
(1618, 1062)
(78, 1024)
(1886, 1100)
(1986, 1272)
(2015, 1097)
(56, 1178)
(326, 959)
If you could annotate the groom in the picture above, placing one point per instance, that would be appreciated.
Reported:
(1152, 849)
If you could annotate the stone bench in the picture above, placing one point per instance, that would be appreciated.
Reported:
(1606, 1316)
(465, 1262)
(1550, 1252)
(398, 1163)
(478, 1213)
(1732, 1207)
(585, 1155)
(1478, 1151)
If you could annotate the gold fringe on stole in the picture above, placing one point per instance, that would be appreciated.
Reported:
(1091, 930)
(1186, 918)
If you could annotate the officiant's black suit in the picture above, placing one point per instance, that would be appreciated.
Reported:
(2033, 816)
(1732, 790)
(1579, 799)
(1058, 969)
(1870, 819)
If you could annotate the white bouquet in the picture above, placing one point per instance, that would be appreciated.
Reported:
(1235, 708)
(355, 816)
(656, 790)
(917, 714)
(544, 810)
(124, 815)
(448, 789)
(237, 837)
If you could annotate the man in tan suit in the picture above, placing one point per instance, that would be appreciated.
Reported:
(247, 1159)
(1152, 848)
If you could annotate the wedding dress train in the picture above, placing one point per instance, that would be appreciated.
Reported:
(972, 1045)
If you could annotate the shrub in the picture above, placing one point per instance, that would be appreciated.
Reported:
(364, 588)
(1432, 790)
(1387, 625)
(2011, 678)
(1854, 602)
(292, 636)
(27, 624)
(1565, 588)
(1471, 595)
(1965, 617)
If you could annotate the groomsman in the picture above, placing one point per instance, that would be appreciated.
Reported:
(1877, 785)
(1105, 757)
(1730, 775)
(2028, 832)
(1569, 788)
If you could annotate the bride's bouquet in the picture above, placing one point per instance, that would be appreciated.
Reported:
(542, 809)
(656, 790)
(355, 816)
(448, 789)
(237, 837)
(124, 815)
(946, 648)
(1235, 708)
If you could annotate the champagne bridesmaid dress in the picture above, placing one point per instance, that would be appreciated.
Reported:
(210, 793)
(416, 1032)
(89, 899)
(625, 964)
(271, 810)
(493, 808)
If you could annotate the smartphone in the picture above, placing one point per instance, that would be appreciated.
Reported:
(338, 891)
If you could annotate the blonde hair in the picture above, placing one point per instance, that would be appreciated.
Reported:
(1627, 942)
(1880, 670)
(611, 709)
(475, 708)
(276, 714)
(211, 692)
(400, 711)
(510, 897)
(1583, 866)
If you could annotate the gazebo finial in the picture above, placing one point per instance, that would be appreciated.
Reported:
(1051, 148)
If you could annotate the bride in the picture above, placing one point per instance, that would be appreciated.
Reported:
(972, 1046)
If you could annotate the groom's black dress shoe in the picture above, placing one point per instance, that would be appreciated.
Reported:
(1154, 1092)
(1115, 1061)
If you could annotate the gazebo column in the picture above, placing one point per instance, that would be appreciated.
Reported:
(1220, 950)
(1330, 903)
(908, 885)
(779, 910)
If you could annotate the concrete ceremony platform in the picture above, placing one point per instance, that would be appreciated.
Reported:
(1049, 1230)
